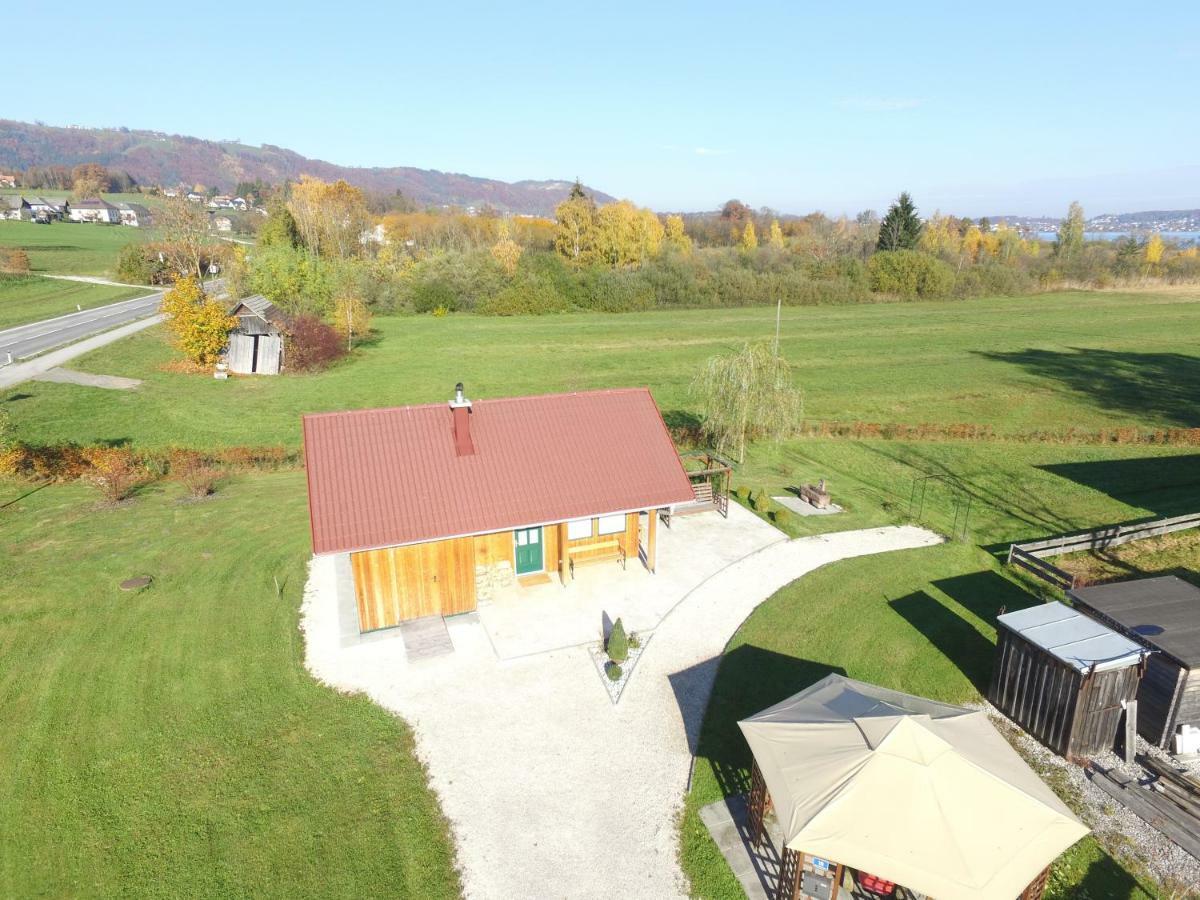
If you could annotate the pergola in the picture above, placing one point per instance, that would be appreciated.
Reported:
(916, 793)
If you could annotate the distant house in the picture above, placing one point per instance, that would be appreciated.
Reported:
(193, 197)
(223, 223)
(15, 208)
(134, 215)
(256, 345)
(95, 211)
(221, 202)
(42, 208)
(170, 192)
(9, 181)
(240, 203)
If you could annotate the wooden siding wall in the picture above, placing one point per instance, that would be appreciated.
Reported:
(1158, 699)
(1074, 716)
(1187, 710)
(400, 583)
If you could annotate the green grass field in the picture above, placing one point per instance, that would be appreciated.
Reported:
(71, 248)
(168, 743)
(197, 683)
(32, 298)
(1091, 360)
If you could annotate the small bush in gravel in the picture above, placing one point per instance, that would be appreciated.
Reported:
(635, 640)
(617, 647)
(612, 670)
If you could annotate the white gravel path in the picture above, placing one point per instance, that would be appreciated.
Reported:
(551, 791)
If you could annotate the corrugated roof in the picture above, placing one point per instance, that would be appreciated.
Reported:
(1161, 612)
(1073, 638)
(384, 477)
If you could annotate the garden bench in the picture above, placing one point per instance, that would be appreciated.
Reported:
(611, 550)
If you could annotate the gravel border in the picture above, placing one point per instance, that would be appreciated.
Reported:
(1122, 832)
(600, 660)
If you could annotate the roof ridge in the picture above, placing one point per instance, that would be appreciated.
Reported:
(485, 400)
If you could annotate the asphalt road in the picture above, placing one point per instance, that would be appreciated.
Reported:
(25, 341)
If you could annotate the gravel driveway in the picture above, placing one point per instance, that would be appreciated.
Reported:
(551, 791)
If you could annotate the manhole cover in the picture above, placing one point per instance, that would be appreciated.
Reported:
(136, 584)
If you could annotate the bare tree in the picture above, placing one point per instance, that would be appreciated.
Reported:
(186, 234)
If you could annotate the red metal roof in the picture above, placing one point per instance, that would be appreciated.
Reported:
(384, 477)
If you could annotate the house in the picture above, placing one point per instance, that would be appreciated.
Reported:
(223, 223)
(239, 203)
(425, 499)
(94, 211)
(1163, 615)
(256, 345)
(8, 181)
(873, 789)
(134, 215)
(220, 201)
(45, 209)
(193, 197)
(15, 208)
(170, 192)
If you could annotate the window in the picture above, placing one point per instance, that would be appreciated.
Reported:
(579, 529)
(612, 524)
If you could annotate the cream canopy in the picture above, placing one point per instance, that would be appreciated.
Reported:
(924, 794)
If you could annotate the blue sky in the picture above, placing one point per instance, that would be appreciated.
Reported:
(976, 109)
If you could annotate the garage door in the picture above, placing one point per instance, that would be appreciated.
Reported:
(401, 583)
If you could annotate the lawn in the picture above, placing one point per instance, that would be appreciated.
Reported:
(70, 248)
(1021, 365)
(168, 742)
(1170, 554)
(30, 298)
(250, 744)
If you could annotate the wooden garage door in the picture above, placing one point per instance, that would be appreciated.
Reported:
(401, 583)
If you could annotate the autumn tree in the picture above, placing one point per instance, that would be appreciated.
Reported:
(330, 218)
(749, 238)
(199, 324)
(675, 237)
(901, 227)
(506, 251)
(1069, 240)
(279, 229)
(575, 226)
(89, 181)
(775, 242)
(351, 318)
(186, 236)
(1154, 250)
(626, 235)
(735, 212)
(746, 395)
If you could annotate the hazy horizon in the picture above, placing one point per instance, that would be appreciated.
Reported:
(682, 107)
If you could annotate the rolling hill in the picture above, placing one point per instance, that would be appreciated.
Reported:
(153, 157)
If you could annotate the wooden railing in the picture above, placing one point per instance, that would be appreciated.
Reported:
(1032, 555)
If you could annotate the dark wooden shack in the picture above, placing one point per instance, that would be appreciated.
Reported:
(256, 345)
(1161, 614)
(1063, 677)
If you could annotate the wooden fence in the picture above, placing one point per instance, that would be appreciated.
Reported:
(1032, 555)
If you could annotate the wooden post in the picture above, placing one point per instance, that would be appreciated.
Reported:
(1130, 729)
(651, 539)
(564, 569)
(790, 864)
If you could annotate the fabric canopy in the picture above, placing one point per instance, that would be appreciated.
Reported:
(924, 794)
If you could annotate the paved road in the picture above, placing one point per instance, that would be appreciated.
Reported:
(25, 341)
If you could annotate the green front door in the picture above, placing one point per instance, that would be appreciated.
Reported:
(529, 550)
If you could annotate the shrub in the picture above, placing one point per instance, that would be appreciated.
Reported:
(140, 264)
(194, 472)
(312, 345)
(199, 324)
(742, 493)
(993, 280)
(909, 273)
(784, 518)
(527, 295)
(759, 500)
(612, 670)
(617, 645)
(16, 261)
(115, 471)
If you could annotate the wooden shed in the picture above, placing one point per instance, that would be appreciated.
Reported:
(1064, 677)
(1161, 614)
(256, 344)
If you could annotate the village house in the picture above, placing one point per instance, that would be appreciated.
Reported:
(45, 209)
(95, 210)
(425, 499)
(223, 223)
(15, 208)
(220, 201)
(193, 197)
(135, 215)
(8, 181)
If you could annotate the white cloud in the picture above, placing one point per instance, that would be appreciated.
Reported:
(880, 104)
(709, 151)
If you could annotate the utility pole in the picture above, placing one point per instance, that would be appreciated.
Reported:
(778, 315)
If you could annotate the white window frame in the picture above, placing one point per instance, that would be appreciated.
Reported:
(575, 529)
(614, 524)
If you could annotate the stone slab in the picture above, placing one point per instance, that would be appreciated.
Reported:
(802, 508)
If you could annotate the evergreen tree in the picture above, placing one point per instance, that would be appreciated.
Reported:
(901, 227)
(577, 192)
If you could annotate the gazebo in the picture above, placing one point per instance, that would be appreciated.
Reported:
(876, 788)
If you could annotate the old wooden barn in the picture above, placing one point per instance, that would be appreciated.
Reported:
(256, 345)
(1063, 677)
(426, 499)
(1161, 614)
